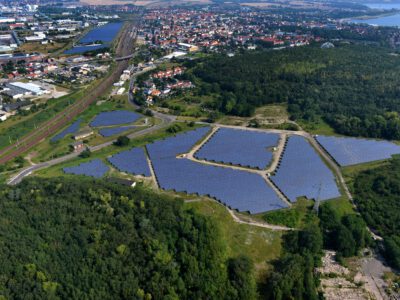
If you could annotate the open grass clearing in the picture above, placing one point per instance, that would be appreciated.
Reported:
(260, 244)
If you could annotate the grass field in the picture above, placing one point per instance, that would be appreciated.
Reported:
(320, 127)
(19, 126)
(294, 217)
(260, 244)
(38, 47)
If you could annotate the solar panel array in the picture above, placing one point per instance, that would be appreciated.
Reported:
(303, 173)
(237, 189)
(116, 117)
(73, 128)
(351, 151)
(239, 147)
(132, 161)
(95, 168)
(106, 132)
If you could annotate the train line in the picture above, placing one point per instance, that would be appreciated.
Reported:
(51, 126)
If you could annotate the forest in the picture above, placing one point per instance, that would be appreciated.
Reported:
(85, 239)
(377, 194)
(354, 88)
(81, 238)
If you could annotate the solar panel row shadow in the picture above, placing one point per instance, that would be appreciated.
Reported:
(348, 151)
(132, 161)
(303, 173)
(95, 168)
(239, 147)
(237, 189)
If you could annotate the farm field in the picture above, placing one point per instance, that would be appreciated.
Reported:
(348, 151)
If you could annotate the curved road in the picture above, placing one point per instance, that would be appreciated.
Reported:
(54, 124)
(165, 121)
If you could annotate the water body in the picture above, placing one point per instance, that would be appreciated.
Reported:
(393, 20)
(83, 49)
(106, 34)
(386, 6)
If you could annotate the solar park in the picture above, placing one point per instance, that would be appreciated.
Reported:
(73, 128)
(131, 161)
(94, 168)
(117, 117)
(240, 147)
(348, 151)
(300, 172)
(237, 189)
(107, 132)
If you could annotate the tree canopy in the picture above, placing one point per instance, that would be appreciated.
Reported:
(353, 88)
(377, 194)
(90, 239)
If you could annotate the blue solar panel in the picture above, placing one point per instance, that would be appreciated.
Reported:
(95, 168)
(351, 151)
(303, 173)
(116, 117)
(73, 128)
(106, 132)
(239, 147)
(132, 161)
(237, 189)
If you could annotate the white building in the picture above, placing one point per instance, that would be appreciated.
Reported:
(7, 20)
(31, 88)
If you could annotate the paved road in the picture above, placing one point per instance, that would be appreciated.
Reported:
(54, 124)
(166, 120)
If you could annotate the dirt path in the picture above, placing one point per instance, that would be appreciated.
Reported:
(257, 223)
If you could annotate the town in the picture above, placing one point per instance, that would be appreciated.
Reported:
(199, 149)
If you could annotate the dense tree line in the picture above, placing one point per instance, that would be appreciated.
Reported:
(377, 194)
(347, 235)
(88, 239)
(353, 88)
(293, 276)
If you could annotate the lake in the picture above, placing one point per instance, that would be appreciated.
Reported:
(83, 49)
(387, 6)
(106, 34)
(393, 20)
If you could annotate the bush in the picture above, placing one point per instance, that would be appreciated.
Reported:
(122, 141)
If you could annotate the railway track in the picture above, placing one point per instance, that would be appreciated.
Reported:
(50, 127)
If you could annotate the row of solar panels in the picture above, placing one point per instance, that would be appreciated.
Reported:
(103, 119)
(244, 148)
(301, 171)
